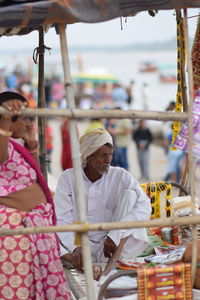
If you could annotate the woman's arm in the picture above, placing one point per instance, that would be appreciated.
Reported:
(5, 133)
(15, 106)
(29, 137)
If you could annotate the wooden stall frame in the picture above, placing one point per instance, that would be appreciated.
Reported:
(76, 159)
(72, 113)
(190, 147)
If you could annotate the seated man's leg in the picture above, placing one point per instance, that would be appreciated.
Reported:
(126, 211)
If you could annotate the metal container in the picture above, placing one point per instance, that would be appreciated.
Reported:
(167, 234)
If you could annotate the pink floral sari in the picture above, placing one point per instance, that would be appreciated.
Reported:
(30, 267)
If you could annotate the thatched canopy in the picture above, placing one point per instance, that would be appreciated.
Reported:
(22, 17)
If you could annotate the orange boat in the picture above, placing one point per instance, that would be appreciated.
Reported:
(167, 74)
(148, 67)
(170, 78)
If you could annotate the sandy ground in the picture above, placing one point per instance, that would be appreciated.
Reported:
(158, 159)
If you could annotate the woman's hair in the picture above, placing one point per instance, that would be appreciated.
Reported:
(6, 96)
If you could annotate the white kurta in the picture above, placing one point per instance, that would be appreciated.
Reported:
(116, 196)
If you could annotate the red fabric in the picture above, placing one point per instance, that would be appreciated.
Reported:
(49, 137)
(196, 58)
(66, 157)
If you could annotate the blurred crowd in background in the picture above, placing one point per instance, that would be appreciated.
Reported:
(94, 94)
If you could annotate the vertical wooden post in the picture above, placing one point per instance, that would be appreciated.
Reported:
(41, 104)
(190, 147)
(87, 261)
(184, 178)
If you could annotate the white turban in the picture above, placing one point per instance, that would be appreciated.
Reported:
(92, 141)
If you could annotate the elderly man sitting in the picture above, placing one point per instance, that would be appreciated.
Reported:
(111, 195)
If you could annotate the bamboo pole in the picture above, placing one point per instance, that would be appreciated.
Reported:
(184, 93)
(41, 104)
(87, 259)
(104, 226)
(190, 146)
(103, 113)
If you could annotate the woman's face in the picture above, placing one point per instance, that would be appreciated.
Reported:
(18, 127)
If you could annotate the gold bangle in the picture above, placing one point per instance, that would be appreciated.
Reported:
(4, 132)
(33, 150)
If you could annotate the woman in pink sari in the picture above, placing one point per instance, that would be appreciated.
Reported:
(30, 267)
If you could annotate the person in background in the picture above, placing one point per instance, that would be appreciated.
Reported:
(47, 89)
(122, 136)
(111, 194)
(129, 91)
(66, 156)
(145, 96)
(26, 90)
(30, 266)
(49, 144)
(143, 138)
(11, 81)
(110, 125)
(57, 91)
(95, 124)
(174, 157)
(175, 160)
(119, 96)
(167, 127)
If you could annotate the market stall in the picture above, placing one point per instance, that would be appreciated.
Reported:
(22, 18)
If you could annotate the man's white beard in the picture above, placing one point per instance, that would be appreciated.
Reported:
(104, 171)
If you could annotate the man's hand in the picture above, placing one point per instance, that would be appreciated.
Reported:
(68, 258)
(77, 258)
(109, 247)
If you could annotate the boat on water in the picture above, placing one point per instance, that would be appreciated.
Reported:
(148, 67)
(170, 78)
(167, 73)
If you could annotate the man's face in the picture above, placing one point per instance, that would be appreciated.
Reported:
(100, 160)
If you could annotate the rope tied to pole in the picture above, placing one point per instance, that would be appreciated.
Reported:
(40, 51)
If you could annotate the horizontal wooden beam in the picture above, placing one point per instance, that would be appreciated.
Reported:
(103, 113)
(105, 226)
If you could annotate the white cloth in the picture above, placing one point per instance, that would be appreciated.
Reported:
(116, 196)
(93, 140)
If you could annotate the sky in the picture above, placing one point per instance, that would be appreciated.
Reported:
(141, 28)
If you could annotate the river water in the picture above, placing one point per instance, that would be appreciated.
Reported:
(124, 65)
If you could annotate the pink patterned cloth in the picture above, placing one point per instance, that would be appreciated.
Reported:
(40, 178)
(30, 267)
(15, 173)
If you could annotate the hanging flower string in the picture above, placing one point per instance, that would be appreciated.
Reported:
(180, 61)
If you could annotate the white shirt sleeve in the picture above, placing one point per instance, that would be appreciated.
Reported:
(64, 208)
